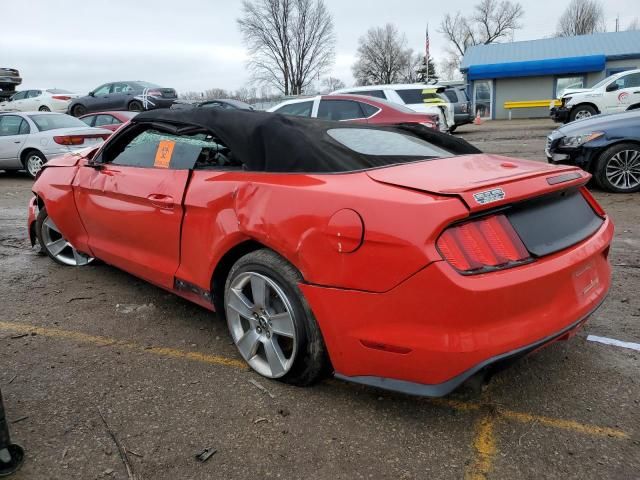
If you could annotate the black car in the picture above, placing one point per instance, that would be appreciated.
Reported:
(224, 103)
(134, 96)
(9, 80)
(461, 106)
(608, 146)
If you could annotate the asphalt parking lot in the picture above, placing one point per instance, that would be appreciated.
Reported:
(92, 356)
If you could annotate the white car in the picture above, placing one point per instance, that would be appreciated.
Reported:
(28, 140)
(416, 96)
(614, 94)
(43, 100)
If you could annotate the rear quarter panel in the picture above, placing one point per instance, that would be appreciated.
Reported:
(289, 213)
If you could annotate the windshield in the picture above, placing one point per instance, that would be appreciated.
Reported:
(385, 143)
(52, 122)
(602, 83)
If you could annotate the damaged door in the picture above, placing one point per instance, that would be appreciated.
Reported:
(130, 202)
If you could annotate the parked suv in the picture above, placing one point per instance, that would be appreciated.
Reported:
(416, 96)
(134, 96)
(614, 94)
(461, 106)
(9, 80)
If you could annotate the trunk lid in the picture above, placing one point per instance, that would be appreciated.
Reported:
(481, 181)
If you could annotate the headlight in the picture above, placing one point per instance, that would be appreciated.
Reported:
(578, 140)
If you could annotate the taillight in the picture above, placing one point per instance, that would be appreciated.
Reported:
(78, 139)
(482, 245)
(69, 139)
(60, 97)
(593, 203)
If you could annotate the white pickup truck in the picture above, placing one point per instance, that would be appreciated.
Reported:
(614, 94)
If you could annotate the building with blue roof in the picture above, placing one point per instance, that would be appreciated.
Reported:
(520, 79)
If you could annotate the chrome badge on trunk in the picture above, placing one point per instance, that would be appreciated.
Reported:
(489, 196)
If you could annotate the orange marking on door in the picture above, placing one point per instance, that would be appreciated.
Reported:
(164, 153)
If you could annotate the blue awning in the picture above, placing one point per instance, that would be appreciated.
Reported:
(552, 66)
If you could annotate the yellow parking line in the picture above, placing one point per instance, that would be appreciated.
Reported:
(230, 362)
(484, 446)
(104, 341)
(563, 424)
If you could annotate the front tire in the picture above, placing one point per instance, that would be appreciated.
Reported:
(55, 245)
(618, 168)
(270, 321)
(582, 111)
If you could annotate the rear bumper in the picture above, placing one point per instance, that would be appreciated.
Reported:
(463, 119)
(496, 363)
(161, 103)
(436, 329)
(559, 114)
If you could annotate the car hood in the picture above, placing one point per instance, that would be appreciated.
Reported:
(70, 159)
(467, 175)
(572, 91)
(599, 123)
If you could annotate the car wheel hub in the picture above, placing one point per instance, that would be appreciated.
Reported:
(583, 114)
(623, 169)
(60, 248)
(260, 319)
(34, 165)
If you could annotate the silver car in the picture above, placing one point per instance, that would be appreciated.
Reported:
(29, 139)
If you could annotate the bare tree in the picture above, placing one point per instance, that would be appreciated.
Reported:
(490, 22)
(382, 56)
(449, 67)
(191, 95)
(212, 93)
(290, 42)
(331, 84)
(581, 18)
(633, 25)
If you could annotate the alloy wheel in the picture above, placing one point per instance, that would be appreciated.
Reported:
(623, 169)
(60, 248)
(34, 164)
(260, 319)
(583, 114)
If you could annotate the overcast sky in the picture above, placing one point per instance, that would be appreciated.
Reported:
(196, 45)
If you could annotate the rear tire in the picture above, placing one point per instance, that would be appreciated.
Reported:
(44, 108)
(135, 106)
(278, 319)
(33, 162)
(582, 111)
(78, 110)
(618, 168)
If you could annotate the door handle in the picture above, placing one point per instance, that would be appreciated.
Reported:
(161, 201)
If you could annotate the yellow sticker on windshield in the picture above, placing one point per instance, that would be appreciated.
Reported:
(164, 153)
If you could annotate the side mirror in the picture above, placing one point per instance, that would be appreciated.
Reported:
(612, 87)
(92, 94)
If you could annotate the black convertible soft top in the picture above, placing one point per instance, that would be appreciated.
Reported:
(271, 142)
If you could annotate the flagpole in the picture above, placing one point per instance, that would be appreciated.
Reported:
(426, 51)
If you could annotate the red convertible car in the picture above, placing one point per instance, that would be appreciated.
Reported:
(397, 257)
